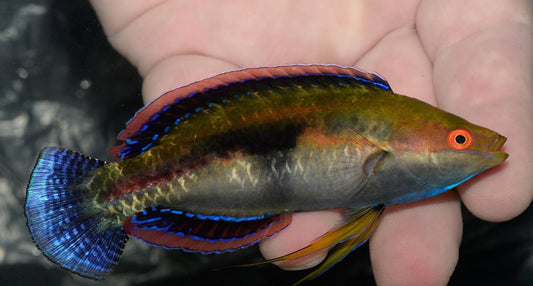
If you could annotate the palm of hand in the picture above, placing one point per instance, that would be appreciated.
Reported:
(443, 61)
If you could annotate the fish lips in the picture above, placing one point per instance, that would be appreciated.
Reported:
(497, 156)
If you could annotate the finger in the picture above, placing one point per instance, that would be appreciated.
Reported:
(248, 34)
(115, 15)
(417, 243)
(493, 86)
(179, 70)
(400, 58)
(482, 71)
(304, 228)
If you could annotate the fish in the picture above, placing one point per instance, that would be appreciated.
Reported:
(222, 163)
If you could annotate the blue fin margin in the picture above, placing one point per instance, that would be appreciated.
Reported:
(174, 229)
(60, 222)
(172, 109)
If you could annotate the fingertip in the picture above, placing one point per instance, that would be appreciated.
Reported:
(464, 82)
(417, 243)
(505, 191)
(304, 228)
(497, 195)
(303, 263)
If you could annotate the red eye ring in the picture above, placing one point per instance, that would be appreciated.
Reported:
(460, 139)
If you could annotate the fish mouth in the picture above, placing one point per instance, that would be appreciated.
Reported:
(496, 155)
(498, 143)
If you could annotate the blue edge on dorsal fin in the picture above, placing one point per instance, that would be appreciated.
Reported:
(62, 224)
(180, 109)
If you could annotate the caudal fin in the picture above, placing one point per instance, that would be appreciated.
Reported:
(61, 224)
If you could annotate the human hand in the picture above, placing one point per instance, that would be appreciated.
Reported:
(471, 58)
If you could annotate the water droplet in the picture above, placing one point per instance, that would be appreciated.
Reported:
(22, 73)
(85, 84)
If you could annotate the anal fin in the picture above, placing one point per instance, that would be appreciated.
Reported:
(173, 229)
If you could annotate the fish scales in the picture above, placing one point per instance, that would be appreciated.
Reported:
(247, 123)
(253, 185)
(222, 163)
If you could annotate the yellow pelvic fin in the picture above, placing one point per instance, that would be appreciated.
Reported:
(354, 231)
(360, 229)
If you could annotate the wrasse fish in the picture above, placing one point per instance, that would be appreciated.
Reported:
(222, 163)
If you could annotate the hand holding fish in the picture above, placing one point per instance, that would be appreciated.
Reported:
(474, 62)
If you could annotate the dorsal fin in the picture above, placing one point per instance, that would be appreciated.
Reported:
(155, 119)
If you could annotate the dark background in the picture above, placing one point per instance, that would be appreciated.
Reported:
(62, 84)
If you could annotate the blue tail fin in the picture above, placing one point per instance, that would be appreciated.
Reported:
(60, 222)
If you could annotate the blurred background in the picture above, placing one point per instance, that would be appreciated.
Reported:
(62, 84)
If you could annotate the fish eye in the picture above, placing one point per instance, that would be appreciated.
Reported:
(459, 139)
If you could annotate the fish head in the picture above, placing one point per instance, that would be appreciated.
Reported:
(442, 150)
